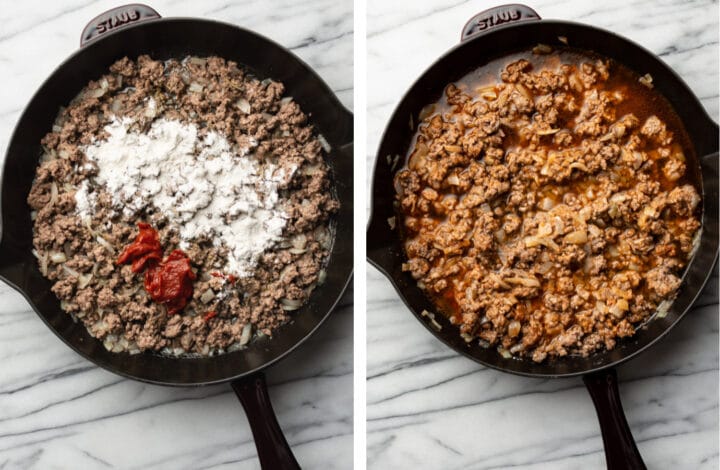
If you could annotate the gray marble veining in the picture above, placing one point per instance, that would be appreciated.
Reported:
(429, 407)
(58, 410)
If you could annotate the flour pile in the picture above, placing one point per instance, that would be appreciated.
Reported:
(199, 183)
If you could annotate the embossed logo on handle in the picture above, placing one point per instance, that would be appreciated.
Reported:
(115, 19)
(497, 16)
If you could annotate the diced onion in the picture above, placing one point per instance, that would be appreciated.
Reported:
(619, 308)
(544, 267)
(575, 83)
(96, 93)
(578, 237)
(105, 243)
(585, 213)
(243, 105)
(579, 166)
(523, 281)
(290, 304)
(207, 296)
(425, 313)
(613, 210)
(504, 352)
(42, 261)
(466, 337)
(523, 91)
(453, 148)
(70, 271)
(546, 204)
(151, 111)
(646, 80)
(662, 309)
(542, 49)
(246, 334)
(513, 328)
(53, 193)
(489, 95)
(324, 143)
(417, 159)
(535, 241)
(84, 280)
(299, 241)
(58, 257)
(310, 170)
(109, 342)
(548, 132)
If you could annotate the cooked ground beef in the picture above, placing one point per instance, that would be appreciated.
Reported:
(79, 256)
(549, 212)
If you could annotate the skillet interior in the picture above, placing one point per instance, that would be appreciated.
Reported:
(164, 39)
(385, 251)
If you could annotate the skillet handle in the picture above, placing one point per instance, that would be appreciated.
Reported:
(273, 450)
(497, 16)
(621, 453)
(116, 18)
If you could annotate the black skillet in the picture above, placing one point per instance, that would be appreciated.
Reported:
(493, 34)
(132, 30)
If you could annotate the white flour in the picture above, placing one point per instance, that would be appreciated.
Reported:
(199, 184)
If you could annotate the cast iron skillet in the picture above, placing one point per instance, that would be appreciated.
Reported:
(517, 27)
(132, 30)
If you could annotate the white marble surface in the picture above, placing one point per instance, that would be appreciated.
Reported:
(429, 407)
(59, 411)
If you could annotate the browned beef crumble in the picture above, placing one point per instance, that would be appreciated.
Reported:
(548, 212)
(79, 255)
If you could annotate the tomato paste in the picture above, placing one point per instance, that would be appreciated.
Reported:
(146, 248)
(209, 315)
(230, 277)
(169, 281)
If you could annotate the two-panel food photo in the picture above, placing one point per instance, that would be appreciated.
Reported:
(359, 235)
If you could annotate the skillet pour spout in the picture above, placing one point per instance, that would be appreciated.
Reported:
(502, 31)
(133, 30)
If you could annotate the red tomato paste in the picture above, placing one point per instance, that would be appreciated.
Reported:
(169, 281)
(209, 315)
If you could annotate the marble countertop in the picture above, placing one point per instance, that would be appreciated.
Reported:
(58, 410)
(431, 408)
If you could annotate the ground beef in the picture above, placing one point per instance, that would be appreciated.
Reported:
(79, 256)
(548, 213)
